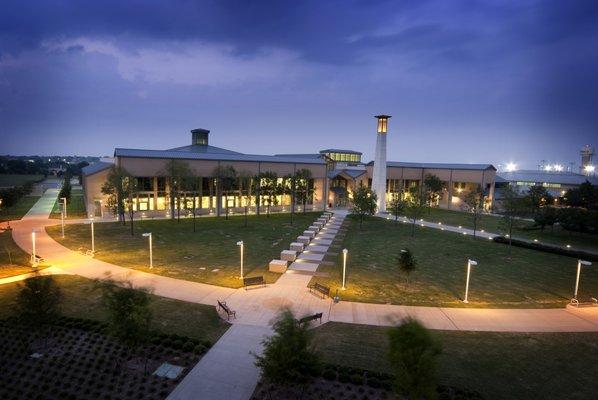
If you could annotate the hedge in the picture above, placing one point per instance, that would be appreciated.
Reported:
(580, 254)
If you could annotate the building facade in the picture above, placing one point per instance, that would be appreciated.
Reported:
(232, 182)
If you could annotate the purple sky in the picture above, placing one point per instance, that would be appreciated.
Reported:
(465, 81)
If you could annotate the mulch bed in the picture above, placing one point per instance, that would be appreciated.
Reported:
(79, 360)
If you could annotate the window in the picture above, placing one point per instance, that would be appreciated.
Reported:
(145, 184)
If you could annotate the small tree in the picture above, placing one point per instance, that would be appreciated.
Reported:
(192, 184)
(288, 355)
(269, 188)
(176, 172)
(407, 263)
(130, 189)
(396, 206)
(474, 203)
(304, 191)
(433, 187)
(513, 206)
(414, 206)
(114, 189)
(546, 216)
(65, 191)
(537, 197)
(226, 176)
(364, 203)
(413, 354)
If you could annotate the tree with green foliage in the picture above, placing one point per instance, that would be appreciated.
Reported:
(513, 207)
(38, 300)
(304, 189)
(414, 206)
(115, 188)
(66, 189)
(538, 197)
(545, 216)
(269, 188)
(364, 203)
(585, 196)
(413, 354)
(289, 356)
(433, 188)
(226, 179)
(246, 183)
(407, 263)
(473, 202)
(192, 184)
(396, 207)
(175, 172)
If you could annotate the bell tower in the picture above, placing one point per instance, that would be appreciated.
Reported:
(379, 173)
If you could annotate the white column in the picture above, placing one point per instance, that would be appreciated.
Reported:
(379, 172)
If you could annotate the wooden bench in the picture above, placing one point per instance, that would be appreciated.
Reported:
(310, 318)
(321, 289)
(222, 306)
(36, 260)
(254, 281)
(589, 301)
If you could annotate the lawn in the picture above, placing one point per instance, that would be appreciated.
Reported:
(75, 207)
(18, 210)
(13, 260)
(523, 229)
(170, 316)
(209, 255)
(18, 179)
(527, 279)
(498, 365)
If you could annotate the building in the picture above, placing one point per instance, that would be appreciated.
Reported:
(555, 182)
(332, 175)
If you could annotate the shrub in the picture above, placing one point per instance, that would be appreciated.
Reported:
(357, 379)
(373, 382)
(329, 375)
(188, 346)
(199, 349)
(547, 248)
(344, 377)
(177, 344)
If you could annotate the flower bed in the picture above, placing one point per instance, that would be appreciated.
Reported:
(79, 360)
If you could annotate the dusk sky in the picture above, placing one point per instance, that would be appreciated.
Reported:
(465, 81)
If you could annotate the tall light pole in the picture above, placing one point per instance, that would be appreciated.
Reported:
(149, 236)
(241, 245)
(470, 263)
(33, 258)
(62, 222)
(93, 239)
(64, 205)
(345, 251)
(579, 264)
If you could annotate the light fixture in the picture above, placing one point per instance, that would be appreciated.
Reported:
(149, 236)
(470, 263)
(241, 245)
(345, 251)
(510, 167)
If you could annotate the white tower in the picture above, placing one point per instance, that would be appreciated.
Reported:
(379, 176)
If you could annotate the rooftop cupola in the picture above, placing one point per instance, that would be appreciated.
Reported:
(199, 137)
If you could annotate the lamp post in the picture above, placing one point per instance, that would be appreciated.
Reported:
(62, 221)
(33, 258)
(64, 205)
(241, 245)
(470, 263)
(93, 239)
(579, 264)
(345, 251)
(149, 236)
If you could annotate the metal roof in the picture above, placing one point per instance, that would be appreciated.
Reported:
(353, 173)
(187, 155)
(96, 167)
(340, 151)
(313, 155)
(200, 148)
(564, 178)
(399, 164)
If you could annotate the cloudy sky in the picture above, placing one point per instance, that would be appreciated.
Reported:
(465, 81)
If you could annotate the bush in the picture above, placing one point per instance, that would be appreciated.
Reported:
(329, 374)
(177, 344)
(188, 346)
(344, 377)
(373, 382)
(547, 248)
(200, 349)
(357, 379)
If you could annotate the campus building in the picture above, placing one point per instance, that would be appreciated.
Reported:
(230, 181)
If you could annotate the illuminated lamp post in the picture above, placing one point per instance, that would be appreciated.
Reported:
(345, 251)
(470, 263)
(149, 236)
(64, 205)
(579, 264)
(241, 246)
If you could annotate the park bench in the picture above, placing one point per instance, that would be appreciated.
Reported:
(310, 318)
(254, 281)
(321, 289)
(36, 260)
(222, 306)
(590, 301)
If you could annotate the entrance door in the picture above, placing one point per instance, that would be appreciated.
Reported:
(97, 208)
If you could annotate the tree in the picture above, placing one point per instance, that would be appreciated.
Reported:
(407, 263)
(192, 183)
(396, 206)
(245, 183)
(414, 206)
(38, 300)
(586, 196)
(114, 189)
(474, 203)
(537, 197)
(413, 354)
(130, 189)
(226, 176)
(269, 188)
(176, 172)
(433, 187)
(513, 206)
(304, 189)
(545, 216)
(65, 191)
(288, 355)
(288, 187)
(364, 203)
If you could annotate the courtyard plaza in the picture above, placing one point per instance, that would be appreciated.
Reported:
(256, 308)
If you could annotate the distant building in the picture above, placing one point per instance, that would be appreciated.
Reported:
(556, 182)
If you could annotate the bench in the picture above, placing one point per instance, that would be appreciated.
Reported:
(254, 281)
(222, 306)
(36, 260)
(321, 289)
(310, 318)
(89, 253)
(590, 301)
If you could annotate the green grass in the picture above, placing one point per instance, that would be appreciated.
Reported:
(523, 229)
(498, 365)
(18, 179)
(18, 210)
(528, 279)
(13, 260)
(75, 207)
(182, 254)
(170, 316)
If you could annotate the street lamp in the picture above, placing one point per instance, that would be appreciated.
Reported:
(33, 257)
(62, 221)
(241, 245)
(470, 263)
(579, 264)
(149, 235)
(93, 239)
(64, 205)
(345, 251)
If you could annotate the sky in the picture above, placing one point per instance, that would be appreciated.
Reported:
(465, 81)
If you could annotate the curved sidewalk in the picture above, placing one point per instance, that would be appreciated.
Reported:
(260, 306)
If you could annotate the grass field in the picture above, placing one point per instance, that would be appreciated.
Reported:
(18, 179)
(498, 365)
(210, 255)
(18, 210)
(523, 229)
(528, 279)
(13, 260)
(75, 207)
(170, 316)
